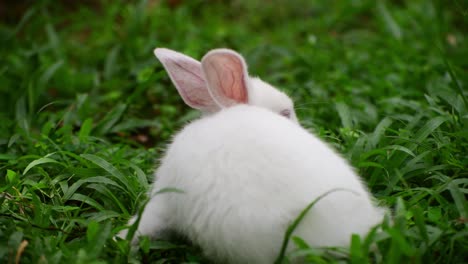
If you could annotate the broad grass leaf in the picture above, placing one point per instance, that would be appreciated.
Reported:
(379, 132)
(49, 72)
(371, 153)
(415, 163)
(357, 151)
(140, 176)
(420, 223)
(460, 201)
(87, 200)
(110, 66)
(21, 116)
(115, 198)
(64, 208)
(85, 129)
(92, 231)
(453, 77)
(11, 176)
(40, 161)
(399, 241)
(110, 169)
(310, 255)
(144, 244)
(103, 215)
(434, 214)
(345, 114)
(462, 236)
(390, 23)
(98, 179)
(356, 250)
(24, 20)
(97, 235)
(447, 94)
(111, 118)
(368, 164)
(8, 156)
(400, 148)
(371, 238)
(434, 234)
(41, 211)
(86, 172)
(54, 38)
(429, 128)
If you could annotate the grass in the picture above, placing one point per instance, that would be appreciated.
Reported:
(86, 110)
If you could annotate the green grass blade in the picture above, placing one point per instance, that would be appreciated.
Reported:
(429, 128)
(388, 20)
(111, 170)
(298, 220)
(111, 118)
(98, 179)
(85, 129)
(460, 201)
(452, 75)
(87, 200)
(40, 161)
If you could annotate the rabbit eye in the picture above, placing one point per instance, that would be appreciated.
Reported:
(286, 113)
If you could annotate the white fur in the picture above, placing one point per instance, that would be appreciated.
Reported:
(246, 173)
(264, 95)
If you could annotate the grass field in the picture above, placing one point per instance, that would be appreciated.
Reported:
(86, 111)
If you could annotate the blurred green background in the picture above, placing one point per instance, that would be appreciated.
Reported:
(86, 110)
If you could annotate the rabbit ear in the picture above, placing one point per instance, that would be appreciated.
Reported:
(226, 76)
(186, 74)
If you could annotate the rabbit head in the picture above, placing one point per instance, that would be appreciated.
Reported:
(220, 81)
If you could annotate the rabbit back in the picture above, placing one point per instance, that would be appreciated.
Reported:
(246, 173)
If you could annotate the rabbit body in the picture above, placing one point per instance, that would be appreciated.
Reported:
(246, 172)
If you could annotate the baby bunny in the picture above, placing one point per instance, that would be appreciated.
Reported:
(247, 169)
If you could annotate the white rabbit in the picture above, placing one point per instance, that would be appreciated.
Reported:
(247, 169)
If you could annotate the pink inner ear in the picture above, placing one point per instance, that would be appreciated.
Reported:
(187, 76)
(226, 74)
(229, 77)
(189, 82)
